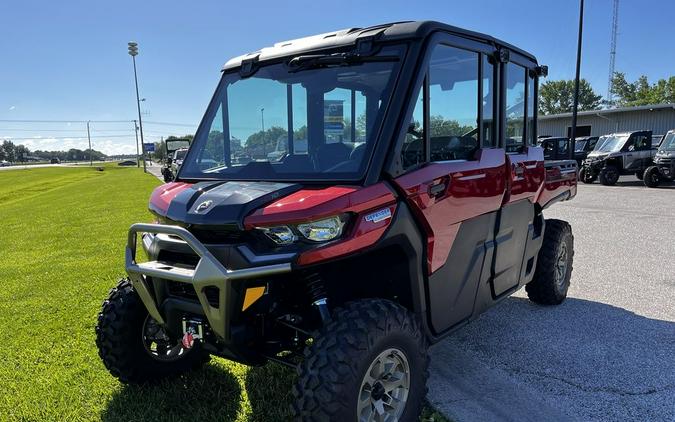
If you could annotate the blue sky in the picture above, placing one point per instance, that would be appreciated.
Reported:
(68, 61)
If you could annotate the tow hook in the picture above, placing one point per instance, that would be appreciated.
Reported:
(193, 330)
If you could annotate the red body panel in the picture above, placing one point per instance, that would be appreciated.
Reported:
(473, 188)
(363, 235)
(312, 204)
(527, 174)
(557, 183)
(163, 195)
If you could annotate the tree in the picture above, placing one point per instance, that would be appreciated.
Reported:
(641, 92)
(8, 150)
(557, 97)
(261, 143)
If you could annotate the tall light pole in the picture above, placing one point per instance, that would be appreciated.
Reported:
(138, 160)
(262, 119)
(133, 52)
(89, 138)
(575, 105)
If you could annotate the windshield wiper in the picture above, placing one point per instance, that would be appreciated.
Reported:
(312, 61)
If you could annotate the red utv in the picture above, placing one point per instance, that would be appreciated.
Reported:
(407, 199)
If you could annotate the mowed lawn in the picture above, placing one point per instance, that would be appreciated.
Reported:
(62, 238)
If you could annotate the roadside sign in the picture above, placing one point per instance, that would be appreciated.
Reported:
(149, 147)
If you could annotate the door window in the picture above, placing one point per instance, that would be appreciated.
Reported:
(488, 103)
(412, 153)
(531, 110)
(515, 108)
(453, 103)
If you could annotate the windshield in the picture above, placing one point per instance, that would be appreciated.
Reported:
(668, 143)
(613, 143)
(314, 121)
(580, 145)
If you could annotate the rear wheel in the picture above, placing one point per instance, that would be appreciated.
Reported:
(652, 177)
(609, 175)
(554, 265)
(368, 364)
(134, 347)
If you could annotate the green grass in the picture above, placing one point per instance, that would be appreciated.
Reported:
(61, 250)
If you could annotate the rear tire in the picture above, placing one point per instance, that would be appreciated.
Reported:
(652, 177)
(609, 175)
(554, 265)
(344, 375)
(120, 339)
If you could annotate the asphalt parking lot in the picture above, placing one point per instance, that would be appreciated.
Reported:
(607, 353)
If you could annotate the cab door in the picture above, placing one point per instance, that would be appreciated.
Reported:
(526, 174)
(455, 176)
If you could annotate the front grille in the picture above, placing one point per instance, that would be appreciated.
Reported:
(226, 236)
(187, 291)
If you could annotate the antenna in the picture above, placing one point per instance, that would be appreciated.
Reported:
(612, 53)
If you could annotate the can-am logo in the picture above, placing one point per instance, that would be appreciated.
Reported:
(378, 216)
(203, 206)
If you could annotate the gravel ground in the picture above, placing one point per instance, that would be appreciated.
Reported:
(607, 353)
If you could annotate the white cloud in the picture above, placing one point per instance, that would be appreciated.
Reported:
(11, 108)
(108, 147)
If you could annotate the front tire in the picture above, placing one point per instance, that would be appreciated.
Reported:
(609, 175)
(586, 175)
(652, 177)
(122, 332)
(369, 363)
(554, 265)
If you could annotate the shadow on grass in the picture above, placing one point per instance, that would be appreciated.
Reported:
(207, 394)
(269, 391)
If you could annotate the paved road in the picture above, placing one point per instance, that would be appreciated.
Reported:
(33, 166)
(607, 353)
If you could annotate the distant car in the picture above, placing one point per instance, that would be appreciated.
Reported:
(555, 148)
(583, 146)
(4, 163)
(54, 161)
(127, 163)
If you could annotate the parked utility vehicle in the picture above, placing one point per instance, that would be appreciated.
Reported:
(620, 154)
(403, 219)
(173, 161)
(663, 169)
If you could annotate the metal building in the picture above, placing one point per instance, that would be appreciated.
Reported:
(659, 118)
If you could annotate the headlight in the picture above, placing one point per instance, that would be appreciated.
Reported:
(281, 235)
(315, 231)
(322, 230)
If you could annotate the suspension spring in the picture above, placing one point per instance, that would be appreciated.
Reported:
(317, 294)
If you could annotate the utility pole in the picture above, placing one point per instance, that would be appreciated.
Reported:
(133, 52)
(89, 138)
(138, 159)
(262, 118)
(576, 81)
(612, 54)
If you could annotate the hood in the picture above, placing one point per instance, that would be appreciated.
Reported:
(598, 154)
(665, 154)
(217, 202)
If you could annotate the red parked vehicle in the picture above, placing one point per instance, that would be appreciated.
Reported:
(407, 200)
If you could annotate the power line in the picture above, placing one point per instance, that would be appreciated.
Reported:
(93, 121)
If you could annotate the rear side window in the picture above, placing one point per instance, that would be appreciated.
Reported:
(515, 108)
(531, 111)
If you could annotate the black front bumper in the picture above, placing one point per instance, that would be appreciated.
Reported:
(218, 300)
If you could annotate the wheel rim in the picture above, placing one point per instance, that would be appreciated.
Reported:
(158, 344)
(561, 265)
(385, 387)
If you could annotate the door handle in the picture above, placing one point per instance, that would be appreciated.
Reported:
(437, 189)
